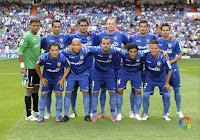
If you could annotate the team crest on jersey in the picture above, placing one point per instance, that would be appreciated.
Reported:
(169, 45)
(81, 57)
(158, 63)
(110, 56)
(88, 38)
(148, 40)
(138, 60)
(58, 64)
(115, 38)
(61, 40)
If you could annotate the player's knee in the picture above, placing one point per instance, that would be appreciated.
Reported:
(120, 92)
(176, 90)
(146, 95)
(58, 94)
(137, 92)
(111, 92)
(28, 94)
(68, 93)
(85, 92)
(44, 94)
(166, 96)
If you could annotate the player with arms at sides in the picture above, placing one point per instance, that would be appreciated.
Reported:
(104, 73)
(172, 48)
(117, 39)
(142, 39)
(63, 40)
(29, 52)
(87, 40)
(52, 78)
(158, 73)
(78, 74)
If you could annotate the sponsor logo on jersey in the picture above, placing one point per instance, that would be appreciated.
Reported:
(58, 64)
(81, 57)
(138, 60)
(138, 40)
(115, 38)
(88, 38)
(61, 40)
(158, 63)
(51, 41)
(100, 55)
(110, 56)
(169, 45)
(148, 40)
(48, 63)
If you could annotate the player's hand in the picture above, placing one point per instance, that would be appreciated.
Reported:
(89, 31)
(23, 71)
(173, 38)
(167, 86)
(70, 48)
(124, 47)
(61, 82)
(44, 82)
(166, 55)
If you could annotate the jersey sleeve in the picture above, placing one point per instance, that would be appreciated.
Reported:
(143, 54)
(122, 53)
(130, 40)
(178, 48)
(68, 39)
(124, 39)
(154, 37)
(66, 62)
(43, 44)
(116, 50)
(96, 41)
(168, 65)
(65, 52)
(91, 49)
(22, 45)
(42, 59)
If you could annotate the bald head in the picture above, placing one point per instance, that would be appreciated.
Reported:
(76, 40)
(76, 45)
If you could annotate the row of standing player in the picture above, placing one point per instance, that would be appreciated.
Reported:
(142, 39)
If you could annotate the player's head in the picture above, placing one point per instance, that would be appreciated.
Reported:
(54, 49)
(76, 45)
(154, 47)
(165, 30)
(35, 25)
(83, 25)
(132, 50)
(56, 27)
(110, 24)
(143, 27)
(106, 43)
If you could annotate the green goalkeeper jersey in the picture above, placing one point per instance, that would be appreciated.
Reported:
(29, 47)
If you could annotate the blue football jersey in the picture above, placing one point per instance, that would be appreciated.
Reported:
(156, 68)
(77, 61)
(103, 62)
(116, 39)
(88, 40)
(63, 40)
(172, 48)
(132, 65)
(53, 68)
(142, 42)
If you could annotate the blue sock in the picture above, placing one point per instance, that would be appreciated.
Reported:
(49, 100)
(146, 97)
(42, 103)
(138, 101)
(94, 103)
(132, 100)
(177, 96)
(67, 102)
(90, 100)
(119, 103)
(112, 103)
(58, 106)
(103, 100)
(166, 103)
(86, 102)
(73, 99)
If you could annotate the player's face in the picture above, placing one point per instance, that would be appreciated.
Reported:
(35, 26)
(154, 49)
(105, 44)
(56, 28)
(83, 27)
(132, 53)
(54, 51)
(110, 24)
(165, 31)
(143, 28)
(76, 46)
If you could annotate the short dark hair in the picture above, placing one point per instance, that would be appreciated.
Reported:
(132, 46)
(55, 21)
(83, 20)
(106, 38)
(110, 19)
(53, 44)
(154, 42)
(165, 24)
(143, 21)
(34, 19)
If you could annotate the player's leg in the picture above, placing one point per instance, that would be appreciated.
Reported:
(102, 100)
(73, 100)
(90, 91)
(132, 103)
(48, 104)
(58, 105)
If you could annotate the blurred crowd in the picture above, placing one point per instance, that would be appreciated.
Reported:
(14, 19)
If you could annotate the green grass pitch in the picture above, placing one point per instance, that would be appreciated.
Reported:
(14, 126)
